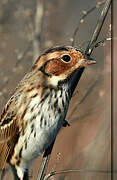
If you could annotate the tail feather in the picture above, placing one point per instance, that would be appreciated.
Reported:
(3, 173)
(4, 153)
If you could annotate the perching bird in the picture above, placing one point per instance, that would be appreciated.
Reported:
(35, 113)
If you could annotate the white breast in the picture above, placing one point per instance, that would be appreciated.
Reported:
(45, 123)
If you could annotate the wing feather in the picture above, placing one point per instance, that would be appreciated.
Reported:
(7, 131)
(8, 128)
(4, 153)
(9, 120)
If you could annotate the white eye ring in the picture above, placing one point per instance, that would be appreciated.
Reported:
(66, 58)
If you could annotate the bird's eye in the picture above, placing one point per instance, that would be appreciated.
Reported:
(66, 58)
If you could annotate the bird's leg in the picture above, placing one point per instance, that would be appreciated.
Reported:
(65, 123)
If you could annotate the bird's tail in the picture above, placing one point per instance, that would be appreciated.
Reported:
(4, 153)
(2, 173)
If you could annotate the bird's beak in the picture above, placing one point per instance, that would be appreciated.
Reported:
(86, 62)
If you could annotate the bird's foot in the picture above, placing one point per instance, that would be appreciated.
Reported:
(65, 123)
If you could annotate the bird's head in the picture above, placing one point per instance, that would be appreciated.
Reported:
(59, 63)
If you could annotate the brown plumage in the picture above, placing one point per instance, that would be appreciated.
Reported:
(35, 113)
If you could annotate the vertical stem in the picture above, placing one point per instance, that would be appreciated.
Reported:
(98, 28)
(44, 164)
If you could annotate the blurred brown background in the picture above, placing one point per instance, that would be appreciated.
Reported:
(24, 32)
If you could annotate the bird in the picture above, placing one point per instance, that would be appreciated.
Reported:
(35, 113)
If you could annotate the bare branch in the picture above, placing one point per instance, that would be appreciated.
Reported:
(81, 21)
(102, 42)
(98, 28)
(44, 164)
(76, 171)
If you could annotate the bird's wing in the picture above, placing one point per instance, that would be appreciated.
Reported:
(6, 150)
(8, 122)
(8, 129)
(10, 118)
(4, 153)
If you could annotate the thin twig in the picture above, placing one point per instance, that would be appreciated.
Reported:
(98, 28)
(81, 21)
(44, 164)
(77, 76)
(77, 171)
(100, 43)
